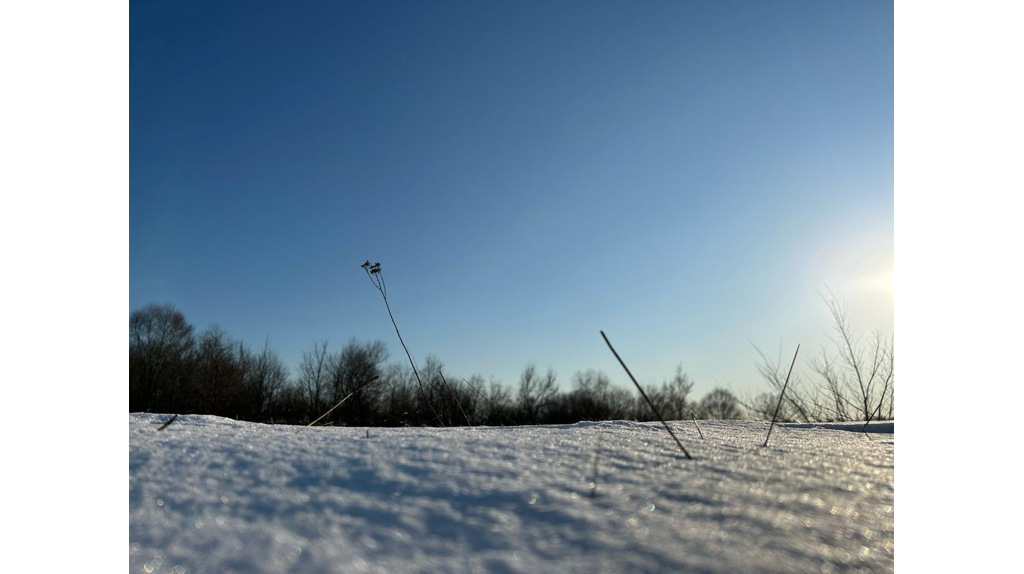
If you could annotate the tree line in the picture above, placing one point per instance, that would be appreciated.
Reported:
(175, 369)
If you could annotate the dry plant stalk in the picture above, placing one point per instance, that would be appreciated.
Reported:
(377, 278)
(782, 394)
(489, 402)
(168, 423)
(694, 417)
(646, 398)
(456, 397)
(347, 397)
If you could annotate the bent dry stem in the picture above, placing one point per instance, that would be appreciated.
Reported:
(456, 397)
(377, 278)
(644, 395)
(489, 402)
(694, 417)
(347, 397)
(168, 423)
(782, 394)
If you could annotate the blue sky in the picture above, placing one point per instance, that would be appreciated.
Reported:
(686, 176)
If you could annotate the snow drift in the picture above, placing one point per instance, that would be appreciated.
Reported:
(215, 495)
(885, 427)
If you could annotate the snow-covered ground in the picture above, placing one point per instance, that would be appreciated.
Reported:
(873, 427)
(215, 495)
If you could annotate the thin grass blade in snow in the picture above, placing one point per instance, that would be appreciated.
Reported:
(644, 395)
(168, 423)
(359, 388)
(782, 394)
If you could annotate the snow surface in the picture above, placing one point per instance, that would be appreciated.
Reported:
(214, 495)
(872, 427)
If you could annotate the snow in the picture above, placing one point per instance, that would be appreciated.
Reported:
(887, 427)
(215, 495)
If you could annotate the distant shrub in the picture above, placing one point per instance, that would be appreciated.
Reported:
(720, 404)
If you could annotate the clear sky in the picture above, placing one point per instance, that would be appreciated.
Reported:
(686, 176)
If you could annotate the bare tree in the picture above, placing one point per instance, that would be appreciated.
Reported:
(798, 402)
(289, 405)
(834, 387)
(720, 404)
(892, 385)
(500, 405)
(217, 376)
(859, 376)
(397, 395)
(434, 392)
(313, 377)
(494, 408)
(160, 344)
(762, 406)
(264, 375)
(674, 395)
(670, 399)
(536, 393)
(348, 370)
(594, 398)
